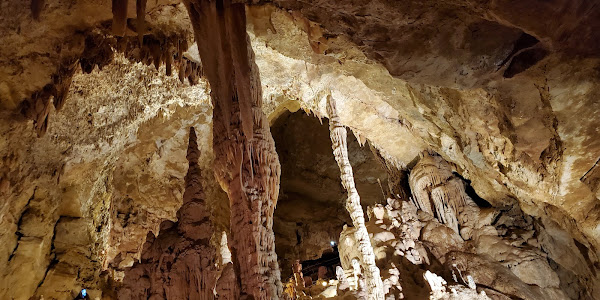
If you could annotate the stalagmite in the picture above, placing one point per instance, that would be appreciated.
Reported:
(227, 286)
(180, 262)
(340, 151)
(246, 163)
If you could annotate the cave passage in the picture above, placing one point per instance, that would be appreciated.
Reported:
(310, 213)
(330, 260)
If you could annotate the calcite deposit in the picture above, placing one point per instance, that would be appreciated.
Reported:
(374, 286)
(180, 149)
(180, 263)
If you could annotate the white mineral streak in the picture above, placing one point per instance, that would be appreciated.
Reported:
(437, 285)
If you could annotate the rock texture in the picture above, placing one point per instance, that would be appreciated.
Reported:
(501, 256)
(438, 192)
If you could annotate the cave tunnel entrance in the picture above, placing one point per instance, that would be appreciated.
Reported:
(310, 212)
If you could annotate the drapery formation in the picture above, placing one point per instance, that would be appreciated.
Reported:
(440, 193)
(246, 163)
(340, 151)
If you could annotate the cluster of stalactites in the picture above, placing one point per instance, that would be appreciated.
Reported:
(438, 191)
(159, 49)
(148, 47)
(152, 48)
(37, 107)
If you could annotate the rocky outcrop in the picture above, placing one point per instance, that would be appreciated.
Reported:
(440, 193)
(411, 245)
(500, 257)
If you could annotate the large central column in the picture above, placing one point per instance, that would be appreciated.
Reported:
(246, 163)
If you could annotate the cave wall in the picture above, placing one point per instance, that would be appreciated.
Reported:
(512, 137)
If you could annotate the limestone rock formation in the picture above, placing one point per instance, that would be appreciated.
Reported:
(499, 257)
(438, 192)
(374, 286)
(246, 163)
(180, 262)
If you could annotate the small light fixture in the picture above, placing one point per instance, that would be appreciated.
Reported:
(332, 243)
(324, 283)
(83, 293)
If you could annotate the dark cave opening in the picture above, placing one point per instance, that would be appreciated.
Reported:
(310, 212)
(329, 259)
(472, 193)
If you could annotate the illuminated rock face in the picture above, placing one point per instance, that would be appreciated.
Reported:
(496, 254)
(440, 193)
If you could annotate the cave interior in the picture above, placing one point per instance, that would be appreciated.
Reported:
(299, 149)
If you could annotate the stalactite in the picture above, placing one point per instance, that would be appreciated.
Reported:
(158, 49)
(36, 8)
(62, 83)
(99, 49)
(169, 61)
(340, 151)
(246, 163)
(140, 10)
(37, 108)
(98, 52)
(119, 22)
